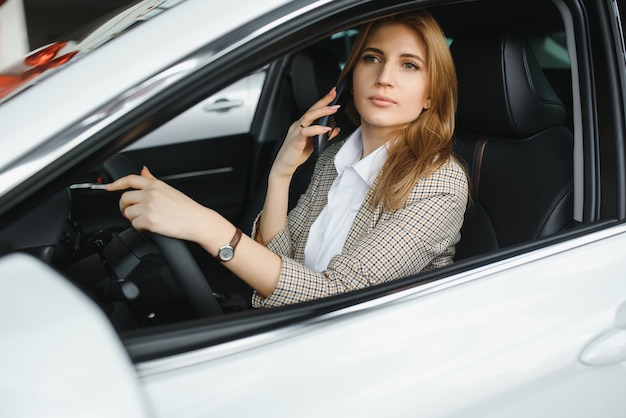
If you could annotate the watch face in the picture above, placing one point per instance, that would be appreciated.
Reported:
(226, 253)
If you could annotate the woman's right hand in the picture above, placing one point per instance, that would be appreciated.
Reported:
(297, 147)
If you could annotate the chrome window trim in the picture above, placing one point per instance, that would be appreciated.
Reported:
(44, 155)
(179, 361)
(193, 174)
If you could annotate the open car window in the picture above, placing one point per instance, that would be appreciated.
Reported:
(188, 142)
(222, 163)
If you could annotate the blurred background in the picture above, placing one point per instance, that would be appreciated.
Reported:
(28, 24)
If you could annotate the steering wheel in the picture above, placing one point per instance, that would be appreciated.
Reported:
(188, 275)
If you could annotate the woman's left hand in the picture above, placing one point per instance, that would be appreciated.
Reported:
(297, 145)
(153, 205)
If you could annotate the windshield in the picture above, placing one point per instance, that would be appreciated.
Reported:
(26, 72)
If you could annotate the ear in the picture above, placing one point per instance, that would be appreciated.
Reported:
(427, 104)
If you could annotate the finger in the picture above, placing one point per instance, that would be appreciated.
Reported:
(328, 97)
(334, 133)
(312, 115)
(132, 181)
(146, 173)
(325, 100)
(314, 130)
(135, 215)
(130, 198)
(322, 105)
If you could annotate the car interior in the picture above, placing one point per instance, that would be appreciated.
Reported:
(514, 133)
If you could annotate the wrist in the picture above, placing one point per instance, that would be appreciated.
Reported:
(212, 231)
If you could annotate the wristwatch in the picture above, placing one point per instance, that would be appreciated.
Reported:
(227, 252)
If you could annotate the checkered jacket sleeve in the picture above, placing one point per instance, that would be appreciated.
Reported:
(381, 246)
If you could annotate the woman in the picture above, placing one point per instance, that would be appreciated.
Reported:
(385, 203)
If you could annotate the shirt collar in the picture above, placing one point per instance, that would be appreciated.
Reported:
(349, 156)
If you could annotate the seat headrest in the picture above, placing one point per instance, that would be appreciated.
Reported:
(313, 72)
(503, 91)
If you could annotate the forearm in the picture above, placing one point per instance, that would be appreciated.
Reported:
(275, 208)
(155, 206)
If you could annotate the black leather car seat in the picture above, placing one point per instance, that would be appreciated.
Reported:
(510, 130)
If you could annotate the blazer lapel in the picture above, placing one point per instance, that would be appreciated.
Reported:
(318, 201)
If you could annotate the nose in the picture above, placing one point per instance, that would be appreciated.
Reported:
(385, 75)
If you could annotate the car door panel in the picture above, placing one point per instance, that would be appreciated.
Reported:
(489, 353)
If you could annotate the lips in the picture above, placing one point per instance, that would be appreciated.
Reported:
(383, 101)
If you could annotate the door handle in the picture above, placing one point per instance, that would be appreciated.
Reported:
(223, 105)
(610, 347)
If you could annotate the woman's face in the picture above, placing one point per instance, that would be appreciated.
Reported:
(391, 80)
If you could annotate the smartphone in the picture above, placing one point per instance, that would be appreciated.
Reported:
(320, 141)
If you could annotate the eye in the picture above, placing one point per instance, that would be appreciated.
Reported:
(410, 66)
(370, 59)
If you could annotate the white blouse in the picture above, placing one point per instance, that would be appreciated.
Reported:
(345, 197)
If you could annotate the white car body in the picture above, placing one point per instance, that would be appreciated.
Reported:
(516, 337)
(469, 352)
(13, 36)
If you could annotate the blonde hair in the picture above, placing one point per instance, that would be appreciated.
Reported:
(426, 143)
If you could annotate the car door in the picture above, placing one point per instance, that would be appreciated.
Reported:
(535, 330)
(513, 339)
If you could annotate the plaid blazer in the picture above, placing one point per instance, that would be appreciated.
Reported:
(381, 245)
